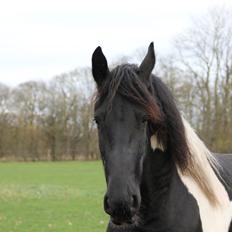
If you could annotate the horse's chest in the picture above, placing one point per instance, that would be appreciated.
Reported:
(183, 219)
(176, 224)
(175, 215)
(180, 225)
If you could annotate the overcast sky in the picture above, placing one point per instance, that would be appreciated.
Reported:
(40, 39)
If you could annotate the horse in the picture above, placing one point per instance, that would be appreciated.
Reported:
(160, 176)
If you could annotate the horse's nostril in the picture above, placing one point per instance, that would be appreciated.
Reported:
(107, 205)
(122, 208)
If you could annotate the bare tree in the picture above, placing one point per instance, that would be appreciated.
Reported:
(205, 55)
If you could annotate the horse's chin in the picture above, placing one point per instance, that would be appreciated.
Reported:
(119, 222)
(123, 223)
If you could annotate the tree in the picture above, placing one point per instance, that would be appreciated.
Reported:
(205, 59)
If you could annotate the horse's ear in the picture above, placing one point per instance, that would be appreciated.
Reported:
(147, 64)
(99, 66)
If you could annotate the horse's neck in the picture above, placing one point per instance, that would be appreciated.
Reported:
(164, 196)
(157, 177)
(159, 180)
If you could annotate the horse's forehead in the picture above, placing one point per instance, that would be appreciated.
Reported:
(121, 107)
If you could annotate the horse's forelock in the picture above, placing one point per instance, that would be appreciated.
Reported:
(124, 80)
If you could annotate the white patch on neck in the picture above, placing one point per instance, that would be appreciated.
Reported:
(213, 218)
(155, 144)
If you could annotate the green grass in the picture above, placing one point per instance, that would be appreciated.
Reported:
(62, 196)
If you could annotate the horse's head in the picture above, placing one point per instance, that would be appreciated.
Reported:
(123, 108)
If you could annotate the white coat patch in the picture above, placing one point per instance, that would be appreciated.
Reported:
(213, 219)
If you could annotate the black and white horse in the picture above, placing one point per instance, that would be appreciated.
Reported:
(160, 176)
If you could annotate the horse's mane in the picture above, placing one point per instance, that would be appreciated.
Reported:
(190, 153)
(172, 131)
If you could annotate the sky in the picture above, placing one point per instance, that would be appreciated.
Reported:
(41, 39)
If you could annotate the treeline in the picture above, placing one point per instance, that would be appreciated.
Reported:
(53, 120)
(48, 121)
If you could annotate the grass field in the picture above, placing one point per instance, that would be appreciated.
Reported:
(62, 196)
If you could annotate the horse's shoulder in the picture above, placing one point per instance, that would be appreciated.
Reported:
(225, 161)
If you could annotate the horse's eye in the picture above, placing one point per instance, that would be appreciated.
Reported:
(96, 120)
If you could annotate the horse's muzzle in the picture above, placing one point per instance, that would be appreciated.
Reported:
(121, 212)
